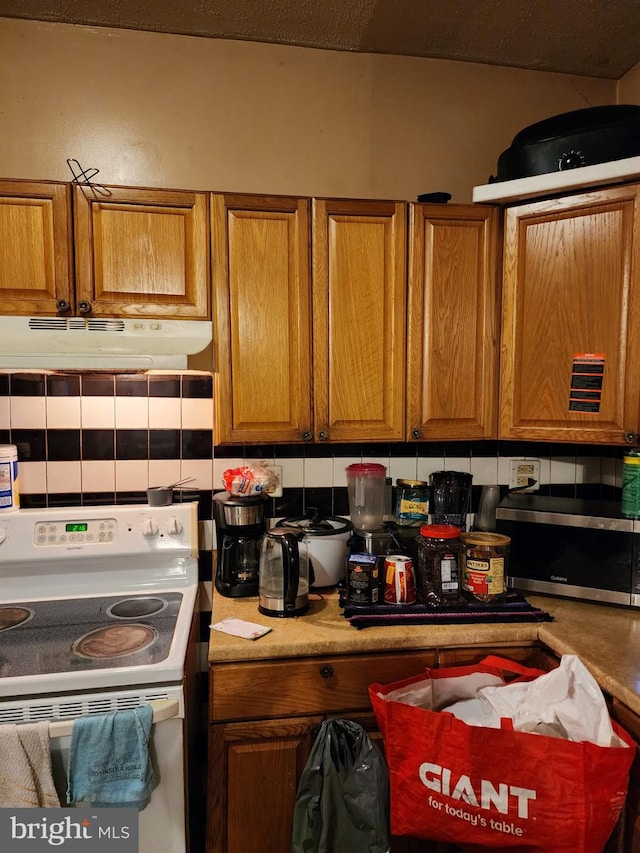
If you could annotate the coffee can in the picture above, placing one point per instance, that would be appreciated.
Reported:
(399, 580)
(363, 580)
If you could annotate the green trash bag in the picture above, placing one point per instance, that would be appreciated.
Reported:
(342, 802)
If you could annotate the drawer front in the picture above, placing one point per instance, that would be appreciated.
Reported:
(322, 685)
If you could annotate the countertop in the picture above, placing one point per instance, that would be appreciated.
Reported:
(605, 638)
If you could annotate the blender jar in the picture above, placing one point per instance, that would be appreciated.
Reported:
(365, 489)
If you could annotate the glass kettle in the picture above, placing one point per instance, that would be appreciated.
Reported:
(284, 573)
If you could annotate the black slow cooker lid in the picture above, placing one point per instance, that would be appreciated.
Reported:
(315, 524)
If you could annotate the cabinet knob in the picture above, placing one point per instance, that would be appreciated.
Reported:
(323, 435)
(326, 671)
(84, 307)
(307, 436)
(415, 432)
(62, 306)
(631, 437)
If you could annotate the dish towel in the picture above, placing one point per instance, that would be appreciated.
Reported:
(109, 761)
(26, 780)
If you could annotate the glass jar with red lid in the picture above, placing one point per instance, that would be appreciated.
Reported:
(438, 574)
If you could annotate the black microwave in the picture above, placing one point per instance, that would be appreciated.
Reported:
(572, 548)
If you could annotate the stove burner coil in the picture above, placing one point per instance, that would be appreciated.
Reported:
(114, 641)
(136, 608)
(11, 617)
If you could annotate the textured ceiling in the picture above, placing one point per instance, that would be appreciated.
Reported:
(596, 38)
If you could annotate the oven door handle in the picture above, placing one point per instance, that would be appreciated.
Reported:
(163, 709)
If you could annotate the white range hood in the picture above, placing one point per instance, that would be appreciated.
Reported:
(553, 183)
(85, 343)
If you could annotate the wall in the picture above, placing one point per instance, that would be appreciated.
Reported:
(176, 111)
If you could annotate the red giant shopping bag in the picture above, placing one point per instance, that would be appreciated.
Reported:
(494, 787)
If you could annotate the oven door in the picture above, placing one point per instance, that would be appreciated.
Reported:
(162, 824)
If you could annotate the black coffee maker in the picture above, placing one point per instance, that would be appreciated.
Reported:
(240, 524)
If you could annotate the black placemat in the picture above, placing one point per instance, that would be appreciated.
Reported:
(514, 608)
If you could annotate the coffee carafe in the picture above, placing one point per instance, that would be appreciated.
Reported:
(284, 573)
(365, 490)
(240, 525)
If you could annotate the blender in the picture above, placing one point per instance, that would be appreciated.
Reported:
(241, 521)
(366, 483)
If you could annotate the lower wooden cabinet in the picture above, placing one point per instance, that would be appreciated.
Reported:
(264, 718)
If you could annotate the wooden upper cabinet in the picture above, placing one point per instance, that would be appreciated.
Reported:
(262, 319)
(572, 288)
(142, 253)
(359, 302)
(35, 246)
(452, 322)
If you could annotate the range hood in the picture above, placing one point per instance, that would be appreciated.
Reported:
(79, 343)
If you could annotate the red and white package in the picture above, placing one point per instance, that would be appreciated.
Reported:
(249, 480)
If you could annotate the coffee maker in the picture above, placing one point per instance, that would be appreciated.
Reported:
(240, 525)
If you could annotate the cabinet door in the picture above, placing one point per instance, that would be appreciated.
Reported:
(35, 241)
(254, 770)
(262, 318)
(142, 253)
(572, 289)
(452, 322)
(359, 297)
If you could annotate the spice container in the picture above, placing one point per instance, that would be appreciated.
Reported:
(412, 502)
(484, 566)
(439, 551)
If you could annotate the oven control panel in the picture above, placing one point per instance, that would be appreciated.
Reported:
(65, 532)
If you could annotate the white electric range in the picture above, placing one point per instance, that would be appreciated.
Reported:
(96, 612)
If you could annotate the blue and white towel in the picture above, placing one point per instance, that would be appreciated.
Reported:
(109, 760)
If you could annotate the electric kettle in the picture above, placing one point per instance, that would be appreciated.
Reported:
(284, 573)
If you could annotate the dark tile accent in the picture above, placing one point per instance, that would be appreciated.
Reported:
(131, 497)
(340, 500)
(164, 386)
(515, 448)
(63, 385)
(197, 386)
(4, 384)
(289, 503)
(589, 491)
(27, 384)
(205, 566)
(132, 444)
(98, 498)
(205, 504)
(98, 444)
(287, 451)
(5, 436)
(260, 451)
(164, 444)
(484, 449)
(197, 444)
(375, 451)
(229, 451)
(562, 491)
(63, 444)
(320, 498)
(405, 449)
(65, 499)
(317, 451)
(342, 450)
(458, 448)
(98, 385)
(31, 444)
(33, 501)
(204, 619)
(132, 385)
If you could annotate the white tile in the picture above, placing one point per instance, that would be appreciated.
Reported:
(318, 471)
(588, 469)
(201, 469)
(132, 412)
(562, 470)
(609, 472)
(5, 413)
(545, 470)
(205, 535)
(164, 413)
(403, 468)
(458, 463)
(63, 477)
(63, 412)
(98, 476)
(197, 413)
(28, 413)
(484, 470)
(504, 470)
(32, 478)
(132, 475)
(163, 472)
(98, 412)
(293, 473)
(427, 465)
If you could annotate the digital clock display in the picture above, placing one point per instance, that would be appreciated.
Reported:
(76, 527)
